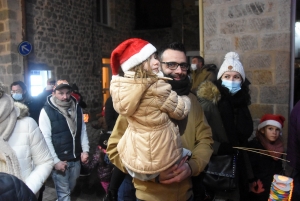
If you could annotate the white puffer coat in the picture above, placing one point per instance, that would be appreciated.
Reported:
(151, 142)
(34, 157)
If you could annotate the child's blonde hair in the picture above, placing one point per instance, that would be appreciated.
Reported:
(141, 72)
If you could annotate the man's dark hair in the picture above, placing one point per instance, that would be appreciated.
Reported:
(173, 46)
(199, 59)
(21, 84)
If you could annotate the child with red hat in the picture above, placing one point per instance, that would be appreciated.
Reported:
(151, 142)
(268, 139)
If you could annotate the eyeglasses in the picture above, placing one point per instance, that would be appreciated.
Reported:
(174, 65)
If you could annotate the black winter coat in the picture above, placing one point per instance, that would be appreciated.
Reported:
(12, 188)
(264, 168)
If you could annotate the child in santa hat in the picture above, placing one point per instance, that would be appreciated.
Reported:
(268, 138)
(151, 142)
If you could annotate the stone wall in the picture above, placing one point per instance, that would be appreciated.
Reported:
(10, 36)
(68, 40)
(259, 30)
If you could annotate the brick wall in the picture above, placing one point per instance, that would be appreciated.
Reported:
(259, 30)
(10, 36)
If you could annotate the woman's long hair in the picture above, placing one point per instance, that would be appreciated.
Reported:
(141, 72)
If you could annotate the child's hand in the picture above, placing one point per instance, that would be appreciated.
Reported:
(256, 187)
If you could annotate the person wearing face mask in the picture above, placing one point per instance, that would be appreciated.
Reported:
(225, 103)
(20, 94)
(201, 72)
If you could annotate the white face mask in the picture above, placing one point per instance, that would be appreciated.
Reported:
(194, 66)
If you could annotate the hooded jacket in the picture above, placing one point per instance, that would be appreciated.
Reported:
(29, 145)
(151, 143)
(197, 138)
(209, 96)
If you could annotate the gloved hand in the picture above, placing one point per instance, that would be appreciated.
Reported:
(226, 149)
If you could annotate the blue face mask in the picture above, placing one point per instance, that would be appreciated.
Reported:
(233, 86)
(17, 96)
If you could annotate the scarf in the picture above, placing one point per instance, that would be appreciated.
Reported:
(8, 117)
(181, 87)
(275, 146)
(68, 111)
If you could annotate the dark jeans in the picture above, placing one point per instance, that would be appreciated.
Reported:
(126, 190)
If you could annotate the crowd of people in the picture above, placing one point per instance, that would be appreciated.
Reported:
(168, 122)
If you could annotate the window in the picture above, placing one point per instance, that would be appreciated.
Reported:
(106, 77)
(38, 81)
(103, 13)
(153, 14)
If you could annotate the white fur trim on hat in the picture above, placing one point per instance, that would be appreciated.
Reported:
(231, 63)
(138, 58)
(269, 123)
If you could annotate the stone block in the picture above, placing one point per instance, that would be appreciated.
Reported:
(65, 77)
(233, 26)
(249, 75)
(258, 110)
(254, 94)
(246, 43)
(2, 69)
(2, 48)
(282, 68)
(217, 45)
(262, 77)
(241, 10)
(261, 24)
(8, 14)
(276, 41)
(4, 37)
(274, 94)
(59, 71)
(284, 10)
(284, 111)
(210, 23)
(4, 59)
(259, 61)
(14, 69)
(2, 27)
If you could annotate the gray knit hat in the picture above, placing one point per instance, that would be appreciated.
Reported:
(231, 63)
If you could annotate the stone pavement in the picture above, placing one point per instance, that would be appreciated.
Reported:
(84, 191)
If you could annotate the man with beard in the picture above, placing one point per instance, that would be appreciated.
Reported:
(175, 182)
(61, 122)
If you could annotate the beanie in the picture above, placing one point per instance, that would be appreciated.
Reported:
(231, 63)
(271, 120)
(130, 53)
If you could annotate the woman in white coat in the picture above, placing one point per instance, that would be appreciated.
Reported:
(23, 150)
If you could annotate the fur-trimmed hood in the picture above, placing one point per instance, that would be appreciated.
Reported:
(208, 91)
(22, 110)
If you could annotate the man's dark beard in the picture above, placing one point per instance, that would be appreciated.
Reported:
(181, 87)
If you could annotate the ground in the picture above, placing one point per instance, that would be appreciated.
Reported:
(87, 189)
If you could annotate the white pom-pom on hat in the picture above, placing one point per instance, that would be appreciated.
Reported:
(231, 63)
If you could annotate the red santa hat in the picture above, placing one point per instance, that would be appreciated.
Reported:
(271, 120)
(130, 53)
